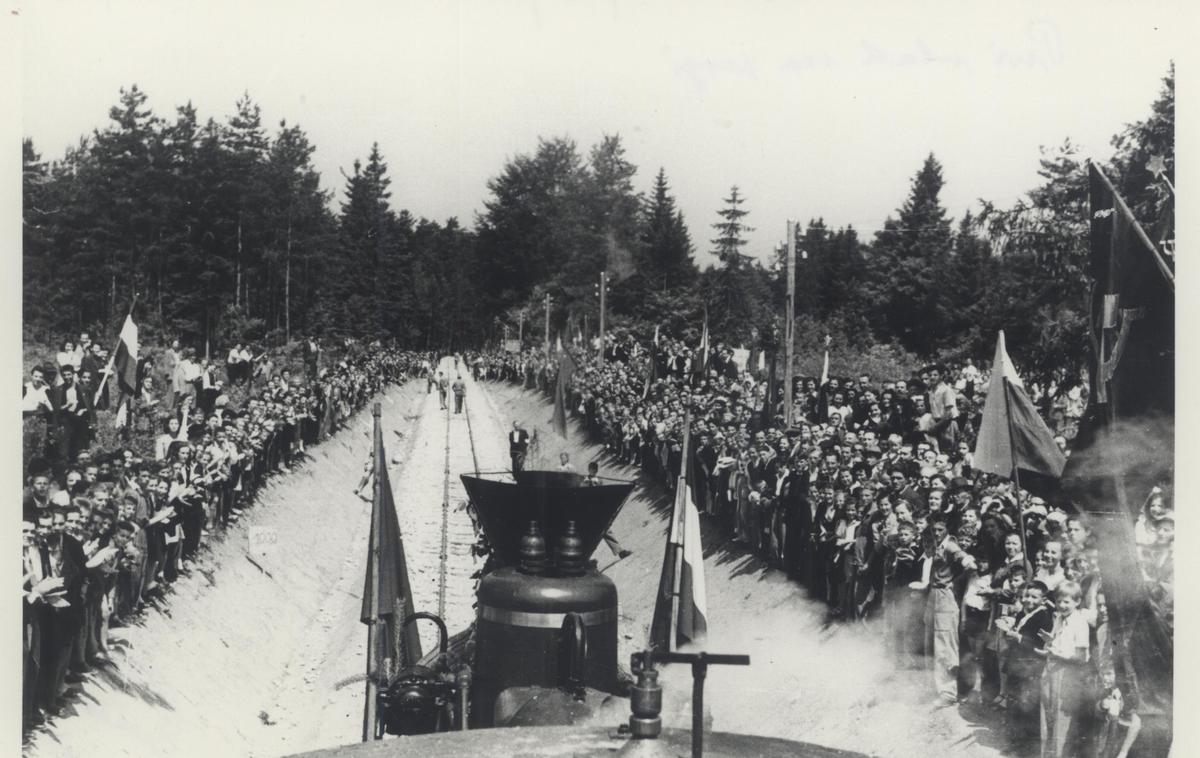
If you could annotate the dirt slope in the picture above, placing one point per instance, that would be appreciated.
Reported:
(225, 669)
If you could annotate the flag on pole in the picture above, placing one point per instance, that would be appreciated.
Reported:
(768, 410)
(651, 375)
(656, 335)
(692, 623)
(125, 359)
(702, 351)
(124, 362)
(680, 608)
(1012, 436)
(566, 369)
(387, 594)
(822, 395)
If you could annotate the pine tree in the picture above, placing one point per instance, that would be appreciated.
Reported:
(246, 145)
(39, 209)
(737, 293)
(667, 247)
(364, 276)
(905, 261)
(731, 231)
(298, 222)
(128, 212)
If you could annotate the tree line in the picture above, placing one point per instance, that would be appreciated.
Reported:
(224, 232)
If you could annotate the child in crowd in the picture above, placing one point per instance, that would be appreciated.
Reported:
(1063, 686)
(903, 605)
(1024, 662)
(1006, 607)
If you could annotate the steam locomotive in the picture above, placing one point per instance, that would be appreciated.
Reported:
(541, 656)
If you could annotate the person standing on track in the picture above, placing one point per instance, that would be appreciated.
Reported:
(460, 391)
(443, 383)
(518, 446)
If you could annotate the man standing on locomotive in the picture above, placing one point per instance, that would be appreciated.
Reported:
(518, 445)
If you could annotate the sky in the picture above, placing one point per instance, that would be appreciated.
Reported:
(811, 110)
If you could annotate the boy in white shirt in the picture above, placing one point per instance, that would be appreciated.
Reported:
(1063, 686)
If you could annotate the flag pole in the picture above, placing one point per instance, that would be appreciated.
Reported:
(677, 531)
(789, 326)
(547, 326)
(113, 355)
(603, 304)
(1012, 454)
(369, 715)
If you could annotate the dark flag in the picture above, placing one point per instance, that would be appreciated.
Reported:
(768, 411)
(1126, 442)
(125, 360)
(823, 387)
(651, 374)
(566, 369)
(387, 596)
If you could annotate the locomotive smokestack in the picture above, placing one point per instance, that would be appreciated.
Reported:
(553, 499)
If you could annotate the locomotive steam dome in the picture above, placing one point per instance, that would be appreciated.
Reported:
(522, 607)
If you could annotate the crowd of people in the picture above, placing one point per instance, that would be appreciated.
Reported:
(107, 532)
(869, 498)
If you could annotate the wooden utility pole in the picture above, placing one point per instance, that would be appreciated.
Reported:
(287, 284)
(547, 326)
(603, 301)
(789, 324)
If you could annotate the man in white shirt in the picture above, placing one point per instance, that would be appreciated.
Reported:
(943, 407)
(35, 399)
(235, 365)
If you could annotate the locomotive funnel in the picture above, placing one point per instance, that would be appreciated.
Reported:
(552, 498)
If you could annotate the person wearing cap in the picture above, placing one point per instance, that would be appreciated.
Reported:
(459, 387)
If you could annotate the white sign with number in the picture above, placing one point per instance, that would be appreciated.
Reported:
(262, 541)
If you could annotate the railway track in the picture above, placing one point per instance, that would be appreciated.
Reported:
(447, 510)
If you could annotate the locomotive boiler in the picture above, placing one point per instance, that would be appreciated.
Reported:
(546, 619)
(543, 647)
